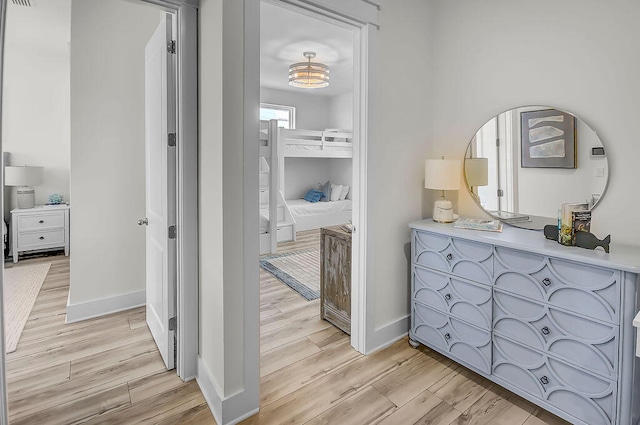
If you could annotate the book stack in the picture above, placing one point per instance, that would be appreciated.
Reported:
(573, 217)
(478, 224)
(581, 223)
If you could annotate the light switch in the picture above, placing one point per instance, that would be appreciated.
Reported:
(599, 172)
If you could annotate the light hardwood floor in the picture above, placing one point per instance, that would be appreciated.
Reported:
(101, 371)
(107, 371)
(311, 375)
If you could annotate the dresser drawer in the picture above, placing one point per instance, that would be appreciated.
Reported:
(285, 233)
(583, 342)
(467, 259)
(463, 299)
(463, 342)
(580, 288)
(40, 221)
(39, 240)
(588, 397)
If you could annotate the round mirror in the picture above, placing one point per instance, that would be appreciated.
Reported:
(522, 165)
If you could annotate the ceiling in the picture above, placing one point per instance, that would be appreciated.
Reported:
(285, 35)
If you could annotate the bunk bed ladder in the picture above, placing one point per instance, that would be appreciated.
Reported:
(281, 226)
(273, 183)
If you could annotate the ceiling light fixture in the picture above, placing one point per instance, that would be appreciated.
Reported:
(309, 75)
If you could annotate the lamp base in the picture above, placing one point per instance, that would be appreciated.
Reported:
(443, 211)
(26, 197)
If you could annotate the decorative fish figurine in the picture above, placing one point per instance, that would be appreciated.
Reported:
(589, 241)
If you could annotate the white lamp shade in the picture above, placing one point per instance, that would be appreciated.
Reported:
(442, 174)
(22, 176)
(476, 171)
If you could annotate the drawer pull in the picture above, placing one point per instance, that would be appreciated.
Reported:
(449, 256)
(545, 331)
(41, 238)
(447, 336)
(447, 297)
(544, 380)
(41, 221)
(546, 281)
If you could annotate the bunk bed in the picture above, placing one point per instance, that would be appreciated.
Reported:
(308, 215)
(281, 217)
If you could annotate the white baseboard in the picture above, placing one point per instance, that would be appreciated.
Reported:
(104, 306)
(227, 411)
(387, 335)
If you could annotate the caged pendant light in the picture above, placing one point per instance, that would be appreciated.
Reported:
(309, 75)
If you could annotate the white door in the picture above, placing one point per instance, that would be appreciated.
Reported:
(160, 113)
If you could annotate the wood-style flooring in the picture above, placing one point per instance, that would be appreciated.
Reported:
(101, 371)
(108, 371)
(311, 375)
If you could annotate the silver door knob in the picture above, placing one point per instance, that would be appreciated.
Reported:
(143, 222)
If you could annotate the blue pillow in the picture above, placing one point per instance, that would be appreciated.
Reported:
(313, 195)
(326, 191)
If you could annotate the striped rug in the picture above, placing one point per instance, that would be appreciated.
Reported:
(21, 286)
(300, 270)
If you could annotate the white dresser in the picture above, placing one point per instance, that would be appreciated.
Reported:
(42, 228)
(553, 324)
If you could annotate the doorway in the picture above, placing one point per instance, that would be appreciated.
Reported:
(310, 151)
(114, 202)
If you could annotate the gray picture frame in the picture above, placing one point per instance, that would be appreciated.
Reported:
(548, 139)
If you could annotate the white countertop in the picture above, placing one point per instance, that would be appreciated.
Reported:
(39, 208)
(622, 257)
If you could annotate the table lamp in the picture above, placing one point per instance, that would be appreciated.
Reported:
(476, 172)
(23, 177)
(442, 174)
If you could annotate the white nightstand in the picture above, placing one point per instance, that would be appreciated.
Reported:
(42, 228)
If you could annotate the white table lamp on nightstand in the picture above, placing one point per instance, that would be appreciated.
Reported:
(442, 174)
(23, 177)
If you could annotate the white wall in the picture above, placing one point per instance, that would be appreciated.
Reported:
(229, 295)
(341, 112)
(107, 147)
(481, 68)
(35, 121)
(398, 146)
(302, 174)
(312, 111)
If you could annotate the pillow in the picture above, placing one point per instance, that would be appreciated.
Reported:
(345, 192)
(326, 190)
(313, 195)
(336, 191)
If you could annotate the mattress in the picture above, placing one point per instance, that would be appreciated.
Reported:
(300, 207)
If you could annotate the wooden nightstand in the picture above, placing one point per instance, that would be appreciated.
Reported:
(39, 229)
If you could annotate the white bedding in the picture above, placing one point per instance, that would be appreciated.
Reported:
(264, 223)
(301, 208)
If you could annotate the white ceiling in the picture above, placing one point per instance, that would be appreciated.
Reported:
(285, 35)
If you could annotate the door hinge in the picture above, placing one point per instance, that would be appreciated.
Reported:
(171, 46)
(500, 193)
(172, 139)
(173, 322)
(172, 232)
(498, 142)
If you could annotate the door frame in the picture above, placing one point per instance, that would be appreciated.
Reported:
(4, 411)
(187, 191)
(363, 22)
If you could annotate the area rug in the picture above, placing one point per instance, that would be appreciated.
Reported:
(300, 270)
(21, 286)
